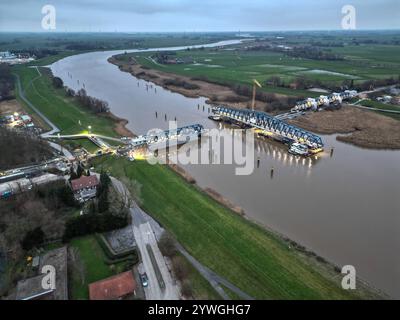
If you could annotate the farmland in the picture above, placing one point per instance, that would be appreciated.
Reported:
(237, 65)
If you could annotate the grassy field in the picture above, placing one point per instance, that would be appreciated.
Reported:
(239, 66)
(63, 111)
(201, 288)
(91, 259)
(383, 106)
(255, 260)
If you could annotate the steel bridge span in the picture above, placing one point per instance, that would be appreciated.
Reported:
(270, 126)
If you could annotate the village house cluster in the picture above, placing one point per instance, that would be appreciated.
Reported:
(17, 120)
(11, 58)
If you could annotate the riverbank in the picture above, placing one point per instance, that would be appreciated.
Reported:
(210, 192)
(362, 128)
(215, 93)
(120, 125)
(260, 262)
(64, 111)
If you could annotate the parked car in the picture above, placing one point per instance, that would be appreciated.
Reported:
(144, 280)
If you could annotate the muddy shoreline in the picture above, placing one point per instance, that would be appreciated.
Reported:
(359, 126)
(120, 125)
(215, 93)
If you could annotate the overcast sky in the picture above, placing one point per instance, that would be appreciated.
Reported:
(197, 15)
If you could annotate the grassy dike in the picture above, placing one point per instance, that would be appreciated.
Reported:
(255, 260)
(64, 111)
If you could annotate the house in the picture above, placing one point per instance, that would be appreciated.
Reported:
(26, 119)
(117, 287)
(32, 288)
(85, 187)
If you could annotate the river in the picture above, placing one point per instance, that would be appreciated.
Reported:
(345, 208)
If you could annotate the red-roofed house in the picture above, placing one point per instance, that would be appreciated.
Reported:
(85, 187)
(114, 288)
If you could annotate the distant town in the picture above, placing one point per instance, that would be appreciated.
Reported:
(11, 58)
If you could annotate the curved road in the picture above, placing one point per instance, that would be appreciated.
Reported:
(153, 231)
(21, 93)
(54, 128)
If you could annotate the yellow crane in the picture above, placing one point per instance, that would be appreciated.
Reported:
(255, 85)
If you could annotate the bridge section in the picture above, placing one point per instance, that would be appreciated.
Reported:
(270, 125)
(174, 134)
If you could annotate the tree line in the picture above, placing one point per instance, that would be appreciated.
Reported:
(101, 216)
(91, 103)
(19, 148)
(6, 82)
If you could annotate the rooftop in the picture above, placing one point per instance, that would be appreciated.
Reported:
(31, 288)
(84, 182)
(113, 288)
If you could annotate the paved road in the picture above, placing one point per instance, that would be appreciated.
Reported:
(54, 128)
(214, 279)
(371, 108)
(21, 92)
(377, 89)
(146, 226)
(144, 235)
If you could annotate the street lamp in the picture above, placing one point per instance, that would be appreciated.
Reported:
(90, 128)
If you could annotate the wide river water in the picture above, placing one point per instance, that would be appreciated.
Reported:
(344, 207)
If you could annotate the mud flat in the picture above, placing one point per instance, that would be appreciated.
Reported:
(362, 128)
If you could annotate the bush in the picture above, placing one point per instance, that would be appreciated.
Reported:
(94, 104)
(180, 83)
(6, 82)
(33, 238)
(57, 82)
(180, 268)
(186, 289)
(167, 245)
(92, 223)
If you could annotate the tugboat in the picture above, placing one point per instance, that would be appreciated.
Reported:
(299, 149)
